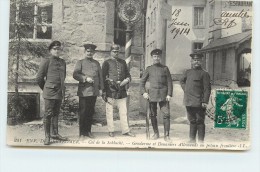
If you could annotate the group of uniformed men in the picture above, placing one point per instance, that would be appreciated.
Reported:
(111, 82)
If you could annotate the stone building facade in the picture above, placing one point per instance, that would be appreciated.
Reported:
(75, 22)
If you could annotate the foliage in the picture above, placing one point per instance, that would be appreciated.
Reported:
(22, 53)
(16, 108)
(69, 107)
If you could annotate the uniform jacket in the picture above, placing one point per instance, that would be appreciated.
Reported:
(196, 86)
(88, 68)
(51, 76)
(160, 82)
(114, 71)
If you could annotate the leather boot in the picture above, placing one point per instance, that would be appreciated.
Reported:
(47, 127)
(90, 135)
(193, 133)
(55, 133)
(155, 128)
(166, 123)
(201, 132)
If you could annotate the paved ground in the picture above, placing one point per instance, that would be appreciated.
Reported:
(32, 134)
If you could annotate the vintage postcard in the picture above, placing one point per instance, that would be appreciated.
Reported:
(130, 74)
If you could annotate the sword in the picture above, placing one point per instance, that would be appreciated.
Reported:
(147, 121)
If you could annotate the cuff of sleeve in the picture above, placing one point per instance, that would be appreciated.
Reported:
(128, 79)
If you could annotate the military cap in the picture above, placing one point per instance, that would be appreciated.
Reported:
(44, 10)
(90, 46)
(197, 55)
(156, 52)
(115, 47)
(53, 44)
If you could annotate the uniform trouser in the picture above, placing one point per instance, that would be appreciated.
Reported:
(121, 105)
(52, 110)
(196, 116)
(86, 112)
(165, 111)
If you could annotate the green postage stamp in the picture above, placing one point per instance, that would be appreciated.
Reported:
(231, 109)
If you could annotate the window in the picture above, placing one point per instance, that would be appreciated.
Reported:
(199, 16)
(224, 60)
(30, 20)
(197, 46)
(119, 28)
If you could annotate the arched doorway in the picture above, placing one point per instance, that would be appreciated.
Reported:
(244, 68)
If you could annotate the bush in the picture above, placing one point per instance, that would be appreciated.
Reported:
(17, 106)
(69, 108)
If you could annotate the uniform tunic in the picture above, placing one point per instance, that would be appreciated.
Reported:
(196, 86)
(160, 82)
(51, 76)
(115, 70)
(88, 68)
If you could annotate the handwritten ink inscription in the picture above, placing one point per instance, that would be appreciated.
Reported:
(226, 23)
(228, 19)
(240, 14)
(176, 26)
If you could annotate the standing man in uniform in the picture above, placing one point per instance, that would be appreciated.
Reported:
(50, 78)
(116, 77)
(160, 91)
(196, 86)
(88, 72)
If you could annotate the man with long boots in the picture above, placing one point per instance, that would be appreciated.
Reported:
(196, 86)
(160, 91)
(50, 78)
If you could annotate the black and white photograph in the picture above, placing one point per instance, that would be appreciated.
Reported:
(130, 74)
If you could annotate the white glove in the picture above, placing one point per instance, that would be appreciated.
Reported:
(124, 82)
(89, 80)
(204, 105)
(168, 98)
(100, 92)
(146, 96)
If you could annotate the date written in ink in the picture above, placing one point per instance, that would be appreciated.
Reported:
(176, 26)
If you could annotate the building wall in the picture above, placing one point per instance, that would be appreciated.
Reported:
(151, 29)
(238, 16)
(214, 12)
(75, 22)
(81, 21)
(226, 18)
(178, 38)
(215, 69)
